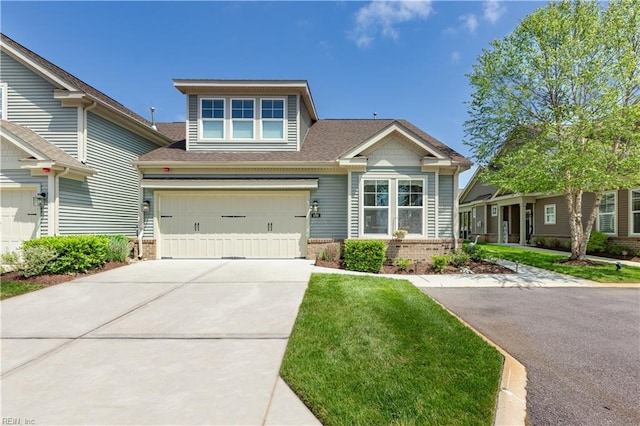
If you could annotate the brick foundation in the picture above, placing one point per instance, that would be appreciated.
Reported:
(633, 242)
(417, 250)
(148, 249)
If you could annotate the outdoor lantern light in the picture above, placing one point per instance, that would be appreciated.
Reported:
(40, 199)
(315, 209)
(146, 205)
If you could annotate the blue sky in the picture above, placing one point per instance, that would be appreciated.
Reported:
(401, 59)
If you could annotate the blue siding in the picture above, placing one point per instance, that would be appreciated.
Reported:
(445, 206)
(193, 120)
(107, 203)
(355, 200)
(305, 122)
(30, 103)
(332, 198)
(431, 205)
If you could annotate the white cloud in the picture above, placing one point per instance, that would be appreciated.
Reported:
(493, 10)
(382, 17)
(455, 57)
(470, 22)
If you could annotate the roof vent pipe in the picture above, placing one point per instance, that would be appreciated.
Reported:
(153, 119)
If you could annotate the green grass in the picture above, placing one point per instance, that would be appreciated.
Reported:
(11, 288)
(603, 272)
(376, 351)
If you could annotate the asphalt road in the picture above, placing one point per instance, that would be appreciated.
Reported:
(581, 347)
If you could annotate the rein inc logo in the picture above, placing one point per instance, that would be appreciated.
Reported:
(17, 421)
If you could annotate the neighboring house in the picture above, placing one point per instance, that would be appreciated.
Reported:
(257, 174)
(516, 218)
(67, 152)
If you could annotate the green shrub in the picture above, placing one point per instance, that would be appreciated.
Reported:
(331, 253)
(10, 258)
(402, 263)
(75, 253)
(118, 248)
(597, 242)
(36, 260)
(364, 255)
(620, 250)
(459, 258)
(476, 253)
(538, 241)
(439, 263)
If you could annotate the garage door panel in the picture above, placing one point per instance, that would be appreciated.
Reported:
(19, 218)
(256, 225)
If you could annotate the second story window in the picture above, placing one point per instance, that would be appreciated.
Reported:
(212, 113)
(242, 118)
(272, 114)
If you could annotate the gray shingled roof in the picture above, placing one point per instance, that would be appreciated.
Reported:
(175, 131)
(44, 147)
(74, 81)
(327, 140)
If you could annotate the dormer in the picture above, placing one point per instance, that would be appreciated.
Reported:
(247, 115)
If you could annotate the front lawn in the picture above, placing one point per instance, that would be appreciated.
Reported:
(376, 351)
(12, 288)
(603, 272)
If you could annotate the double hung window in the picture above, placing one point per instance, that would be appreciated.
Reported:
(550, 214)
(272, 114)
(410, 205)
(607, 213)
(635, 211)
(212, 114)
(376, 207)
(242, 114)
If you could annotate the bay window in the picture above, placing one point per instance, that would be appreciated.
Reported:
(376, 207)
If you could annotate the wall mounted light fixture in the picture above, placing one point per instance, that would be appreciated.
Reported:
(315, 209)
(146, 205)
(40, 199)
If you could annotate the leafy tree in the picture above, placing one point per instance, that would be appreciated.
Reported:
(555, 106)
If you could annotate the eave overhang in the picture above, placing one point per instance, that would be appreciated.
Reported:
(274, 184)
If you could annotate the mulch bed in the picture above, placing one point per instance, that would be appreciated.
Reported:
(53, 279)
(426, 269)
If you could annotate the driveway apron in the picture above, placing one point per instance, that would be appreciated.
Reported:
(158, 342)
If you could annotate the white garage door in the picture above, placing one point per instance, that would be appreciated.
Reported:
(19, 217)
(243, 225)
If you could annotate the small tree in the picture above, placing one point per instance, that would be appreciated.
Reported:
(556, 106)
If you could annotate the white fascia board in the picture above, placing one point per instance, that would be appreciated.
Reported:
(230, 184)
(236, 164)
(10, 137)
(386, 132)
(30, 63)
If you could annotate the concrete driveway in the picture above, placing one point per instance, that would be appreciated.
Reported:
(158, 342)
(581, 347)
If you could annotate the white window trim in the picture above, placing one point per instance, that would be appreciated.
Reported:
(422, 207)
(5, 89)
(201, 120)
(555, 213)
(251, 120)
(631, 233)
(363, 207)
(615, 214)
(494, 211)
(260, 120)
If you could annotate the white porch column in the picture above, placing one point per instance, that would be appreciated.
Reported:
(499, 224)
(523, 227)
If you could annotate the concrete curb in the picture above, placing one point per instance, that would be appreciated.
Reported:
(511, 407)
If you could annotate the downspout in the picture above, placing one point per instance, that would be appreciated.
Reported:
(85, 132)
(140, 234)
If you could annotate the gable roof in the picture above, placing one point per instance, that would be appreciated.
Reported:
(175, 131)
(39, 148)
(327, 141)
(72, 83)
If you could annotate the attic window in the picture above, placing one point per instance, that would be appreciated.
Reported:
(212, 114)
(242, 118)
(272, 114)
